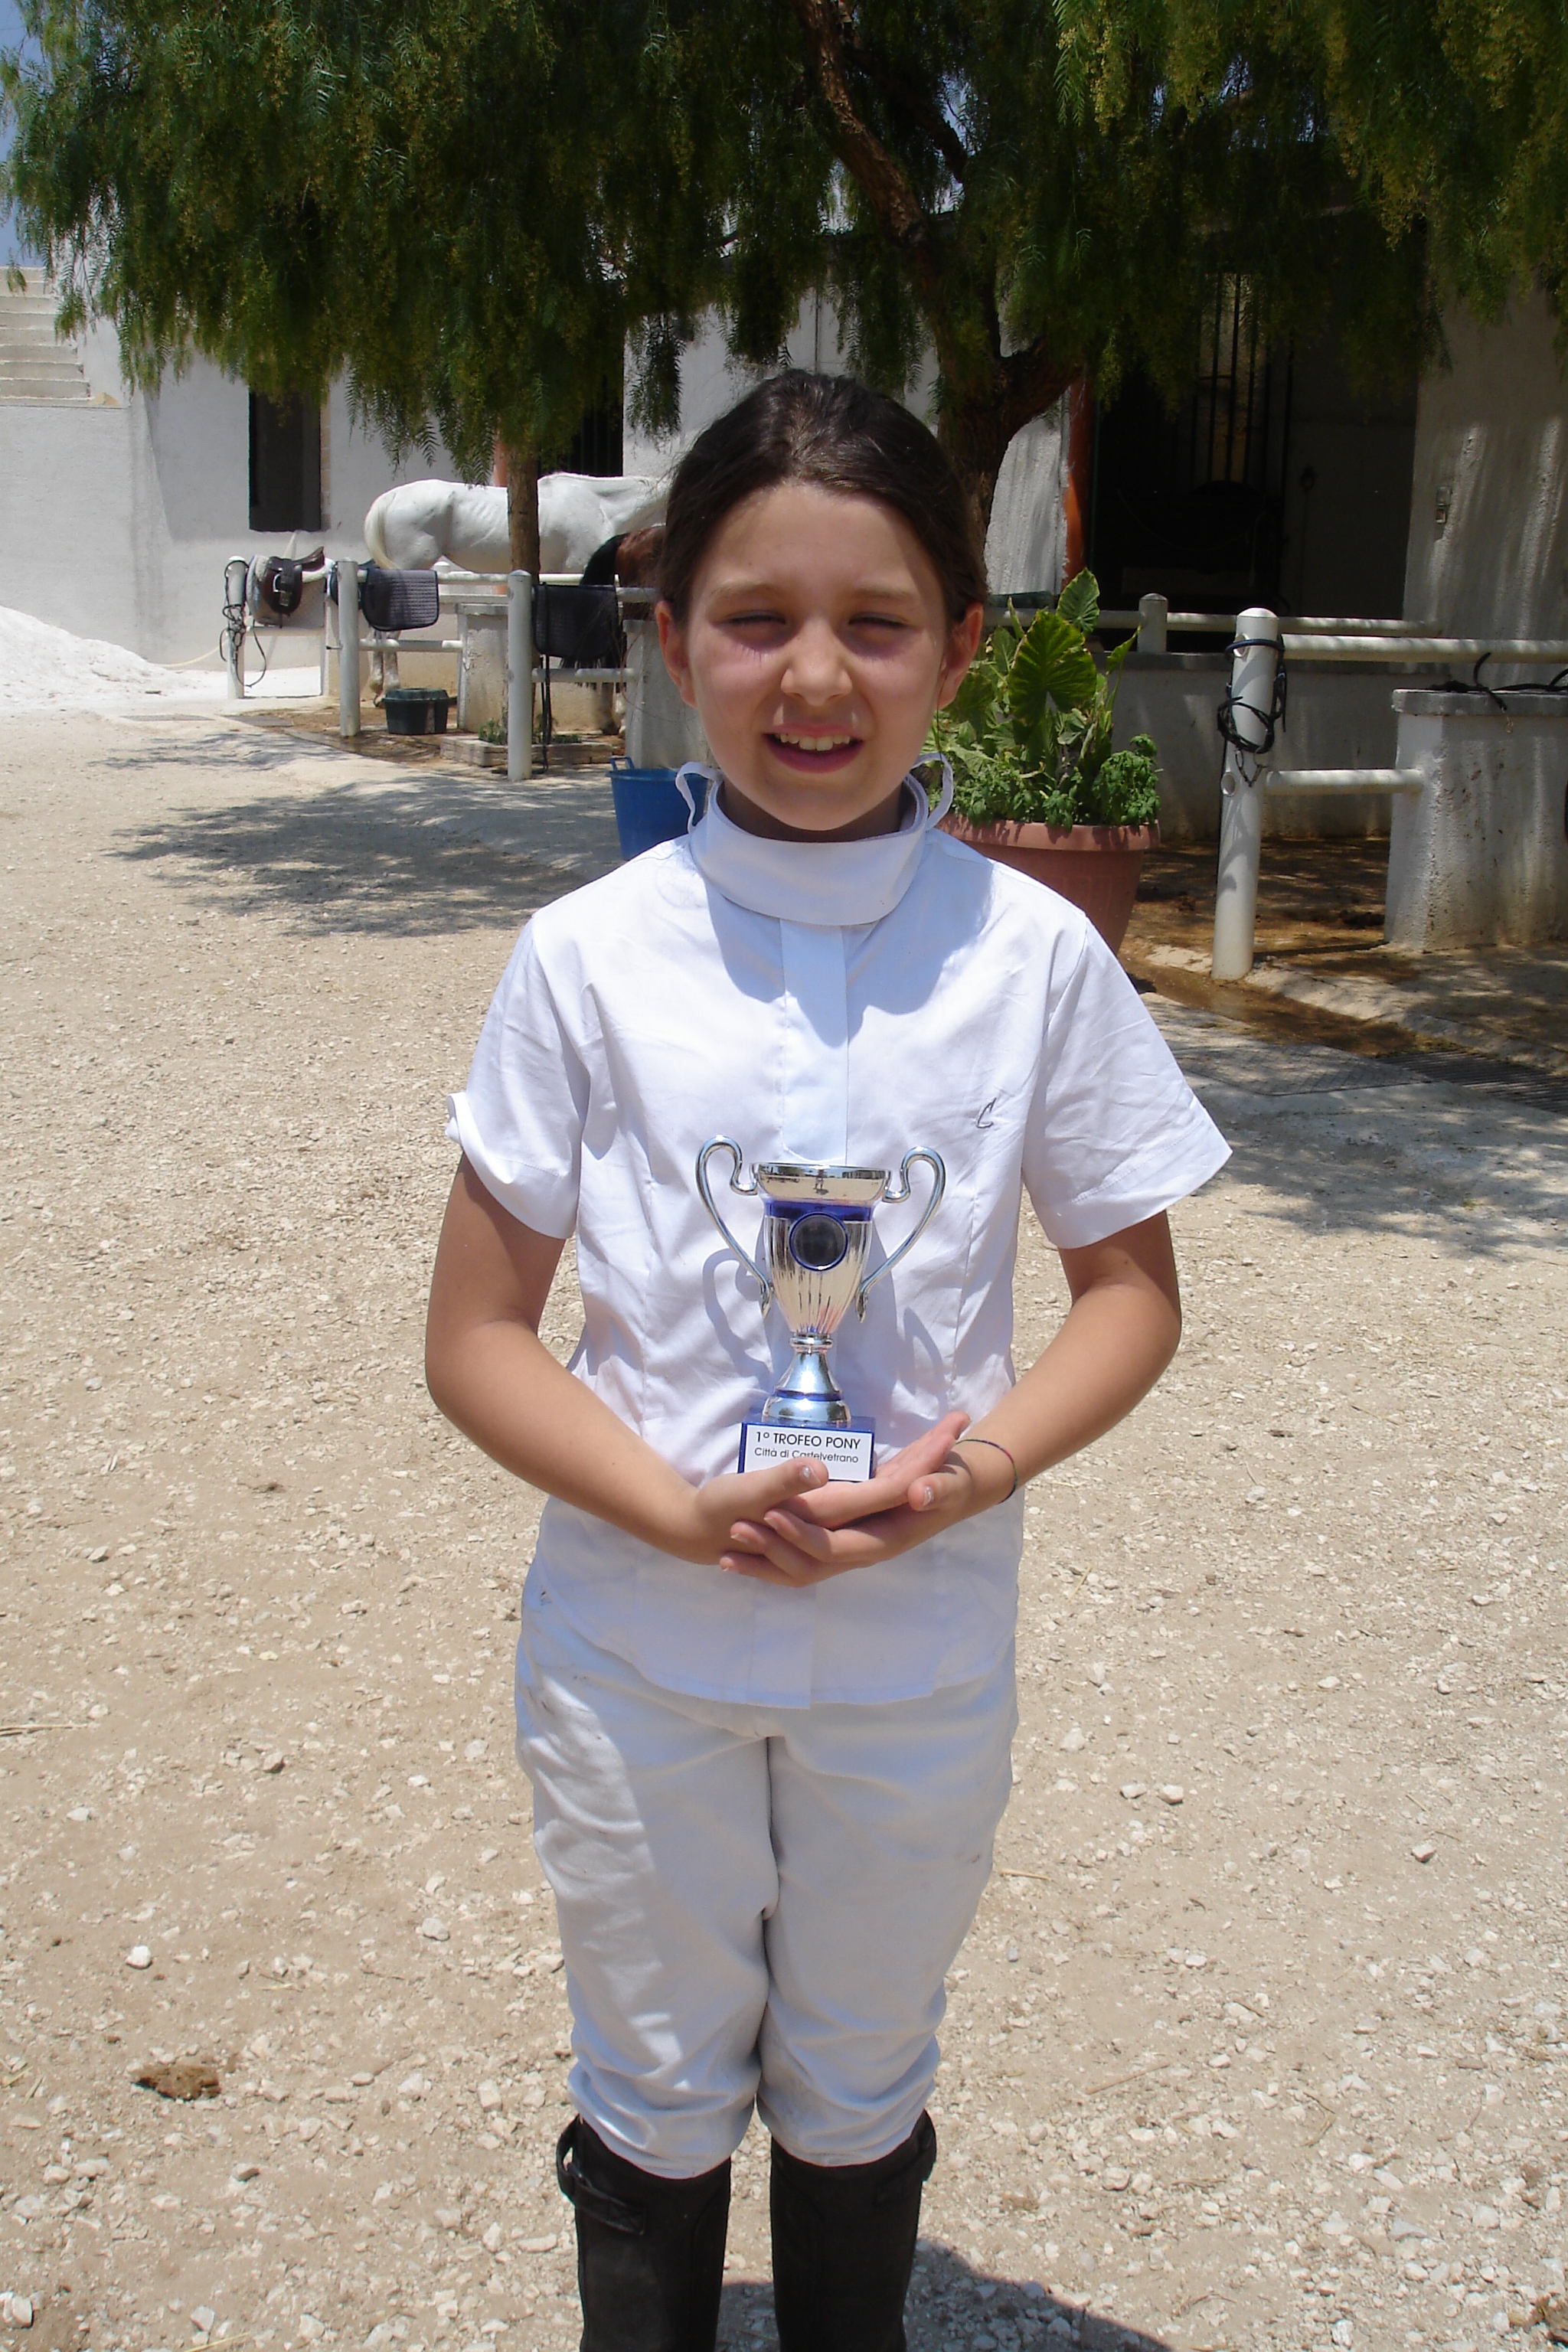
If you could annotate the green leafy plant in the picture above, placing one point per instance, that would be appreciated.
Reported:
(1028, 734)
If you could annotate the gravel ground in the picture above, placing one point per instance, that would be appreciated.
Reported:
(1259, 2038)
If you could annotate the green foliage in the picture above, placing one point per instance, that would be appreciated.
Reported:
(464, 203)
(1124, 789)
(1451, 119)
(471, 204)
(1029, 733)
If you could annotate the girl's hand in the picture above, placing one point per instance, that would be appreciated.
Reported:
(926, 1486)
(492, 1374)
(709, 1514)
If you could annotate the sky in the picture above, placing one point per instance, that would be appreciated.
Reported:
(10, 34)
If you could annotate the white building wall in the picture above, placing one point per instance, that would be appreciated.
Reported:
(1488, 519)
(116, 520)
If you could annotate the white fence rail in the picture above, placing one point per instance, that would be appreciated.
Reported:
(1248, 719)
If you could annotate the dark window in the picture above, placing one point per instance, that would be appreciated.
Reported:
(1229, 426)
(1277, 482)
(1190, 504)
(285, 463)
(596, 446)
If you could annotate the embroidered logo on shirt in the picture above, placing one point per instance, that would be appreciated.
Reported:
(985, 1119)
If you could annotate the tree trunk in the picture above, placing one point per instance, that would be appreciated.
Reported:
(522, 466)
(981, 423)
(1078, 478)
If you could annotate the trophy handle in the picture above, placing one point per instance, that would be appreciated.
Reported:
(723, 1143)
(933, 1161)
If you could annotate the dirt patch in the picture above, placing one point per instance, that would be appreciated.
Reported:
(181, 2078)
(1225, 2062)
(1324, 974)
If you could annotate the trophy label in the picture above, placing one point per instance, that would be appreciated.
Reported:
(846, 1451)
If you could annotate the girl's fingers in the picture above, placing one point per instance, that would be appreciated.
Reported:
(762, 1571)
(942, 1487)
(843, 1502)
(785, 1480)
(781, 1546)
(816, 1542)
(805, 1530)
(769, 1571)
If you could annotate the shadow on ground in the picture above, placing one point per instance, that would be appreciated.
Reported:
(954, 2308)
(402, 856)
(1319, 916)
(1344, 1143)
(1350, 1146)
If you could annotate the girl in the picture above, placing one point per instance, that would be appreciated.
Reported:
(767, 1718)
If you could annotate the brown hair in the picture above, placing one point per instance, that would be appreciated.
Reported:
(835, 433)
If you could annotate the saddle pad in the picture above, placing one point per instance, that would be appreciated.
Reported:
(399, 600)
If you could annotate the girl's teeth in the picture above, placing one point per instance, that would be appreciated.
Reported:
(817, 743)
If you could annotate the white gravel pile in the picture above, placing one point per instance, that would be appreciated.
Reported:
(45, 668)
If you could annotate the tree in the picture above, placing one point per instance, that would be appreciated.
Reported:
(1453, 120)
(424, 195)
(1042, 190)
(470, 205)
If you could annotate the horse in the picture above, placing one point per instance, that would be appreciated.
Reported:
(421, 523)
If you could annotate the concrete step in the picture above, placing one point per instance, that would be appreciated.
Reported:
(43, 384)
(38, 368)
(58, 362)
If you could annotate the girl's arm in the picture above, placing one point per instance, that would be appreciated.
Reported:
(1120, 1333)
(491, 1373)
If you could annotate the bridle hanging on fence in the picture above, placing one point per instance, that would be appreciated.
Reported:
(1249, 755)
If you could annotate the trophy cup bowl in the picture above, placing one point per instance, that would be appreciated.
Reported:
(815, 1244)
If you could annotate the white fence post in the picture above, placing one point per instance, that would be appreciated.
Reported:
(1252, 671)
(348, 645)
(1152, 614)
(518, 676)
(235, 587)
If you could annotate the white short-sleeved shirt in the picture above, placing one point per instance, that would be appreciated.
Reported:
(841, 1002)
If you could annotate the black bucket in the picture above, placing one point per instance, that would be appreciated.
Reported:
(416, 709)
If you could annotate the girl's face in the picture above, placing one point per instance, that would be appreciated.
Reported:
(815, 648)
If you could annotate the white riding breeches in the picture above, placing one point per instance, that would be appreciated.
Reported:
(758, 1904)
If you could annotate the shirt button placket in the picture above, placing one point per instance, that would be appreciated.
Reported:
(815, 1105)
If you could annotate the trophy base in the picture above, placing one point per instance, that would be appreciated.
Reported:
(848, 1452)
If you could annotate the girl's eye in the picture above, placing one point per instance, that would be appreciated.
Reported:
(878, 621)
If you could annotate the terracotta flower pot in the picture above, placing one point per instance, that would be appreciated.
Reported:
(1094, 868)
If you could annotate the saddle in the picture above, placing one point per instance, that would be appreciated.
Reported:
(279, 581)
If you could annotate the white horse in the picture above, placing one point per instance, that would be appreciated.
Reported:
(419, 523)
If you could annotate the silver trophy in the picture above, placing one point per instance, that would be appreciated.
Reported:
(815, 1239)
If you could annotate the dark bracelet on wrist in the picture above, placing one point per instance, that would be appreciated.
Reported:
(996, 1448)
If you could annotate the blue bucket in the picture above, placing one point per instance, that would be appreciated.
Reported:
(649, 806)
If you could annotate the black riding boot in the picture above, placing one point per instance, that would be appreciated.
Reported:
(650, 2252)
(844, 2246)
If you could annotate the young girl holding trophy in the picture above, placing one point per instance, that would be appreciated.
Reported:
(767, 1711)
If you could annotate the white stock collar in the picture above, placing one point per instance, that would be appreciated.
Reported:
(830, 884)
